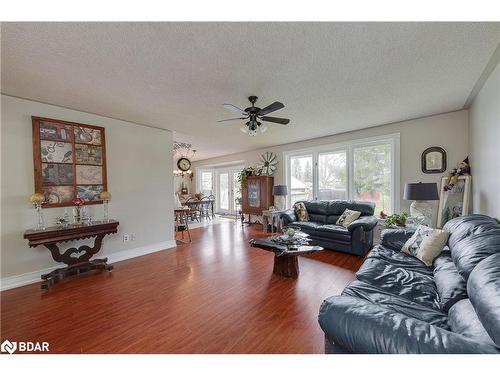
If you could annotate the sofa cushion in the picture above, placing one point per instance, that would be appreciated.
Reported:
(301, 211)
(400, 259)
(317, 207)
(426, 244)
(396, 303)
(464, 226)
(317, 218)
(463, 320)
(338, 207)
(483, 288)
(332, 219)
(347, 217)
(450, 285)
(398, 280)
(306, 226)
(333, 231)
(471, 250)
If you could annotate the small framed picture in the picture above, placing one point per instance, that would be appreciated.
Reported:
(434, 160)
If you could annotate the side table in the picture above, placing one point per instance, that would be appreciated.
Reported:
(272, 217)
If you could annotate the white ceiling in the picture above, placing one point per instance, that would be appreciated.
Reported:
(332, 77)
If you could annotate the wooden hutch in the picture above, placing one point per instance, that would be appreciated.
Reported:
(257, 195)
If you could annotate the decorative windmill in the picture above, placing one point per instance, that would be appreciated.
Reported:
(268, 163)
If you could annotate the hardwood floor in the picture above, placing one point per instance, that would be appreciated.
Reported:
(216, 295)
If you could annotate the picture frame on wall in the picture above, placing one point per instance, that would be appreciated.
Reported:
(433, 160)
(455, 202)
(69, 160)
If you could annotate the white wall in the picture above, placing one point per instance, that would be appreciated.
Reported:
(139, 178)
(449, 131)
(484, 130)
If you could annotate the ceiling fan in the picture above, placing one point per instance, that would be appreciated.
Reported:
(255, 115)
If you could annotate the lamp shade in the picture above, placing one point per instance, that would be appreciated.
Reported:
(280, 190)
(421, 192)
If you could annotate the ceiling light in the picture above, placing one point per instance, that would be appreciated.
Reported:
(263, 128)
(244, 128)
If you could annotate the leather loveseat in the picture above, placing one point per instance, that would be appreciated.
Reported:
(399, 305)
(356, 239)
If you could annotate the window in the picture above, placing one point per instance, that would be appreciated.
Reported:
(332, 175)
(372, 175)
(364, 169)
(207, 183)
(301, 174)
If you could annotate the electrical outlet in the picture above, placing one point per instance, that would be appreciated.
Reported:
(132, 237)
(126, 238)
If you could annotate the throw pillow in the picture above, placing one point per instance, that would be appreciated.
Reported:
(348, 217)
(426, 244)
(301, 211)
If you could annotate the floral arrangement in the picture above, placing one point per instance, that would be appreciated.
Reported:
(77, 201)
(37, 198)
(463, 168)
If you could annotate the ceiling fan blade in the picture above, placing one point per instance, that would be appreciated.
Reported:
(277, 120)
(233, 119)
(233, 108)
(271, 108)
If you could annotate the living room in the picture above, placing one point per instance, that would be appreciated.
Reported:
(250, 187)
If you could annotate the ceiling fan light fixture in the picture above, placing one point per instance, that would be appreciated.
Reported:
(263, 128)
(244, 128)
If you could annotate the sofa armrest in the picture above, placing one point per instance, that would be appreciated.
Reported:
(363, 327)
(288, 216)
(395, 238)
(366, 222)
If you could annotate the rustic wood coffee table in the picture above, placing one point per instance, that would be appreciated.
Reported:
(286, 263)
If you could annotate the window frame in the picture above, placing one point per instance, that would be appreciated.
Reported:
(348, 147)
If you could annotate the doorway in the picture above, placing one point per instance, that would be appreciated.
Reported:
(228, 191)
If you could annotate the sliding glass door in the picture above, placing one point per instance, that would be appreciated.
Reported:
(228, 192)
(364, 170)
(301, 177)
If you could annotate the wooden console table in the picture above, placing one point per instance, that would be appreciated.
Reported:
(77, 259)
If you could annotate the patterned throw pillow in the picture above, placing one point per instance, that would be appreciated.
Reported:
(301, 211)
(426, 244)
(348, 217)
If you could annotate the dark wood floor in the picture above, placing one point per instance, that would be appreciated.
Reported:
(216, 295)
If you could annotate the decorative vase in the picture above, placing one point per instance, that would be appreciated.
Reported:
(106, 214)
(77, 214)
(40, 224)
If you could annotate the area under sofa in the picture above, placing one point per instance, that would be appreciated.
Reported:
(399, 305)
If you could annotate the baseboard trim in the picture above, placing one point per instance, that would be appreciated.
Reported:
(34, 277)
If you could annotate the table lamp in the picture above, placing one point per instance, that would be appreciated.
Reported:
(420, 193)
(280, 192)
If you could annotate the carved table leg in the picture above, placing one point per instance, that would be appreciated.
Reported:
(286, 266)
(77, 260)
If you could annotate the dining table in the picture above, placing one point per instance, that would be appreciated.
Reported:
(193, 202)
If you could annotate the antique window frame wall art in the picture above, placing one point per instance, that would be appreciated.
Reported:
(458, 198)
(69, 160)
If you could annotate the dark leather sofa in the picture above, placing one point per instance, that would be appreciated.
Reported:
(356, 239)
(398, 305)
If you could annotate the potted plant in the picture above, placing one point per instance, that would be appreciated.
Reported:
(398, 220)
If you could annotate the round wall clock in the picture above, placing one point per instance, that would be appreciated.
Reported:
(184, 164)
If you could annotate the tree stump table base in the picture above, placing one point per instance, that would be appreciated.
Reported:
(286, 262)
(286, 266)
